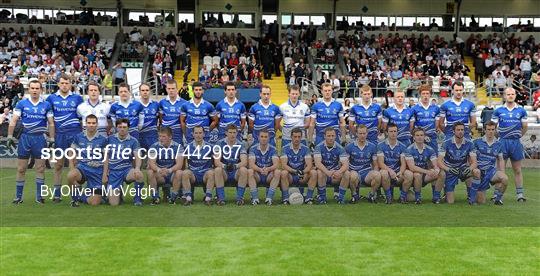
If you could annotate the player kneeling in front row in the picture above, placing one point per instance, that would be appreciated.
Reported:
(363, 165)
(489, 153)
(200, 170)
(165, 163)
(89, 168)
(422, 162)
(263, 168)
(118, 166)
(332, 164)
(231, 163)
(392, 164)
(297, 167)
(457, 159)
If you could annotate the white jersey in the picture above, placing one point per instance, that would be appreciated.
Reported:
(293, 116)
(101, 110)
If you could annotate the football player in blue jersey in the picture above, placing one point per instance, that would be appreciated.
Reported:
(422, 162)
(200, 170)
(149, 130)
(392, 164)
(489, 153)
(198, 112)
(455, 110)
(36, 115)
(324, 114)
(363, 167)
(263, 168)
(426, 116)
(512, 121)
(297, 167)
(165, 162)
(332, 163)
(118, 166)
(89, 168)
(400, 115)
(231, 166)
(231, 111)
(366, 113)
(128, 108)
(264, 115)
(457, 160)
(170, 109)
(67, 125)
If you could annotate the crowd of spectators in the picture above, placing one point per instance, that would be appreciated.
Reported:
(35, 53)
(231, 57)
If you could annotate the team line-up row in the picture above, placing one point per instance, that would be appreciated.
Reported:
(144, 121)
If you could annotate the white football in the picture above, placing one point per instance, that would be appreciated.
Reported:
(296, 198)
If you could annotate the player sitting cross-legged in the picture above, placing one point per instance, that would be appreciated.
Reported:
(165, 162)
(231, 163)
(297, 167)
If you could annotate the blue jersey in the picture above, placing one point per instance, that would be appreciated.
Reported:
(368, 116)
(402, 118)
(167, 155)
(66, 118)
(326, 115)
(229, 114)
(133, 111)
(170, 116)
(264, 117)
(33, 116)
(331, 157)
(199, 157)
(392, 154)
(296, 159)
(118, 146)
(487, 154)
(230, 154)
(197, 115)
(93, 155)
(426, 118)
(510, 121)
(262, 158)
(361, 158)
(421, 157)
(457, 156)
(151, 111)
(457, 112)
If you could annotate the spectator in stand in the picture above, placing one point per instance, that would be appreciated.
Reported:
(120, 76)
(536, 100)
(532, 148)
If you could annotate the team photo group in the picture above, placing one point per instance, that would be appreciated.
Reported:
(287, 154)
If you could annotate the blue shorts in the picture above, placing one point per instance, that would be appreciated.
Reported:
(31, 145)
(147, 139)
(92, 176)
(485, 179)
(134, 134)
(263, 179)
(117, 178)
(296, 180)
(513, 149)
(64, 140)
(451, 180)
(362, 178)
(199, 177)
(231, 176)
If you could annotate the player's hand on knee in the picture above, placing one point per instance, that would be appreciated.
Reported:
(453, 171)
(466, 172)
(11, 142)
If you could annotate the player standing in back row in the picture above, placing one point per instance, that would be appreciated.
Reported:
(264, 115)
(295, 115)
(231, 111)
(325, 114)
(512, 120)
(456, 110)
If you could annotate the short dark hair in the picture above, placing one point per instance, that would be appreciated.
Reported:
(33, 82)
(457, 83)
(296, 130)
(232, 126)
(229, 83)
(417, 129)
(328, 129)
(490, 123)
(122, 121)
(389, 125)
(197, 84)
(166, 130)
(125, 85)
(294, 87)
(91, 116)
(65, 76)
(171, 82)
(93, 83)
(456, 124)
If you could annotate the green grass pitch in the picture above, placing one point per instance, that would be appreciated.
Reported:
(277, 240)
